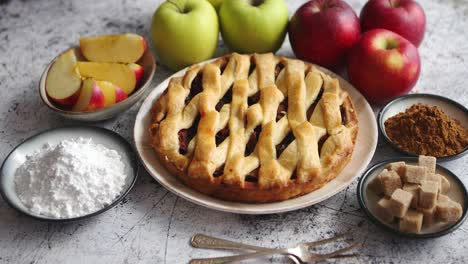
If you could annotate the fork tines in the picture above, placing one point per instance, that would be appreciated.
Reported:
(327, 240)
(336, 253)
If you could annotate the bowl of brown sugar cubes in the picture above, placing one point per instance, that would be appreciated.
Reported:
(413, 197)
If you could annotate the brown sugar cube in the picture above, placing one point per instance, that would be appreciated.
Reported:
(448, 210)
(429, 215)
(414, 190)
(390, 181)
(428, 162)
(442, 199)
(382, 210)
(400, 202)
(435, 178)
(398, 167)
(428, 194)
(414, 174)
(376, 185)
(445, 185)
(411, 222)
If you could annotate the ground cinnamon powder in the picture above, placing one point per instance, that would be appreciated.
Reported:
(425, 130)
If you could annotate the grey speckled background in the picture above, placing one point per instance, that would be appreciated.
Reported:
(154, 226)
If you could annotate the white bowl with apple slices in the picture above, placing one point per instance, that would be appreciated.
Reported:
(149, 67)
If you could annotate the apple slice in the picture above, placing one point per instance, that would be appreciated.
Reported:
(125, 76)
(91, 97)
(138, 70)
(127, 48)
(63, 82)
(112, 93)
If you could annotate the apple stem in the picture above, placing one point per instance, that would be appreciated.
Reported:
(393, 3)
(256, 2)
(177, 6)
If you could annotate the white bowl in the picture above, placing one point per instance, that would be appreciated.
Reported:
(99, 135)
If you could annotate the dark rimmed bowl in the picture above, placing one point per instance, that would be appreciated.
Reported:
(400, 104)
(149, 67)
(99, 135)
(365, 204)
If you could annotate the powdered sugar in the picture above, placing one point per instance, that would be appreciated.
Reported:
(76, 177)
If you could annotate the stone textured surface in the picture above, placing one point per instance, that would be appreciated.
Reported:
(154, 226)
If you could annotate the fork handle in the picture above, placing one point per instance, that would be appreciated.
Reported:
(232, 259)
(204, 241)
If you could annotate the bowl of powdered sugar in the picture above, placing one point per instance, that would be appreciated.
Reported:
(68, 173)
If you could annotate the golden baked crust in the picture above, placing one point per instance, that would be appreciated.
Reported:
(254, 128)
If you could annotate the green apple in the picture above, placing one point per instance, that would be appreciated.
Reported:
(249, 26)
(216, 3)
(184, 32)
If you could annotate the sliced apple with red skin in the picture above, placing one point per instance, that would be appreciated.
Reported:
(138, 71)
(125, 76)
(69, 100)
(91, 97)
(112, 93)
(63, 82)
(126, 48)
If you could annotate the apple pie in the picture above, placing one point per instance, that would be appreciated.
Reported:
(254, 128)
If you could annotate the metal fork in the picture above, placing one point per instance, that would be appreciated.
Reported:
(300, 253)
(209, 242)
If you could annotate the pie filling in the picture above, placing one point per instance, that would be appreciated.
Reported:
(252, 176)
(251, 100)
(250, 147)
(311, 109)
(282, 109)
(322, 141)
(196, 87)
(252, 65)
(185, 135)
(226, 99)
(219, 171)
(222, 135)
(279, 67)
(343, 115)
(284, 143)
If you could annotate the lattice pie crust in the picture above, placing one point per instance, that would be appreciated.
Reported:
(254, 128)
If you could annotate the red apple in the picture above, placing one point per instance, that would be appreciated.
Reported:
(322, 31)
(383, 65)
(404, 17)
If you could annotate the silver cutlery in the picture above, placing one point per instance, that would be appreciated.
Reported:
(209, 242)
(299, 254)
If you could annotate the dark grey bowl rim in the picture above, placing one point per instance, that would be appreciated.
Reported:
(360, 195)
(125, 143)
(394, 146)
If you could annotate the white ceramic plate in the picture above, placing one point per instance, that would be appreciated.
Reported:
(363, 152)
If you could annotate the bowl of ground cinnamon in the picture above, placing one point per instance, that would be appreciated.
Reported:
(425, 124)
